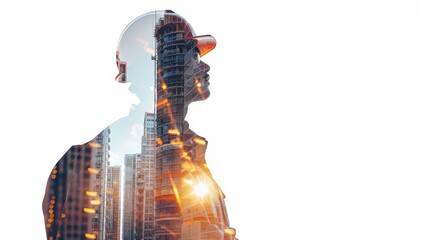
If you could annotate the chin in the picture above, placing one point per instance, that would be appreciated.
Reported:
(206, 94)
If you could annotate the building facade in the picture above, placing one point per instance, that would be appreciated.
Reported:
(189, 205)
(74, 203)
(130, 196)
(171, 50)
(146, 174)
(113, 203)
(101, 162)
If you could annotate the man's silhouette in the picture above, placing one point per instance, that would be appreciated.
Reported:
(168, 191)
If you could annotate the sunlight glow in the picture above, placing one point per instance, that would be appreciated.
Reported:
(201, 189)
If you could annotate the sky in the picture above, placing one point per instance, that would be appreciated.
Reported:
(316, 123)
(136, 47)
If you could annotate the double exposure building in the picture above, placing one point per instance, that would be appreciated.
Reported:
(113, 203)
(171, 51)
(138, 218)
(101, 162)
(74, 203)
(130, 196)
(146, 180)
(188, 202)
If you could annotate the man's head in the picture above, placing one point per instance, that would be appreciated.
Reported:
(200, 80)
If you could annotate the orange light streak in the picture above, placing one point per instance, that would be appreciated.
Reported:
(199, 141)
(187, 181)
(168, 230)
(90, 236)
(162, 102)
(186, 157)
(94, 145)
(91, 194)
(176, 193)
(174, 131)
(95, 202)
(170, 114)
(200, 91)
(177, 142)
(93, 171)
(188, 166)
(89, 210)
(229, 231)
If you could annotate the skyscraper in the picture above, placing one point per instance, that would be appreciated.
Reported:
(138, 219)
(171, 50)
(130, 190)
(100, 157)
(146, 176)
(73, 203)
(188, 202)
(113, 204)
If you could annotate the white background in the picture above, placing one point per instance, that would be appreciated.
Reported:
(317, 123)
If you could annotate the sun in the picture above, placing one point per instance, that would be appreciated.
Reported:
(201, 189)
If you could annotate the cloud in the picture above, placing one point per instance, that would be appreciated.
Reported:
(137, 130)
(115, 159)
(146, 47)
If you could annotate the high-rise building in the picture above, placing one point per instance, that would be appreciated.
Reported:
(139, 207)
(146, 173)
(100, 157)
(74, 197)
(138, 219)
(171, 50)
(188, 202)
(129, 200)
(113, 203)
